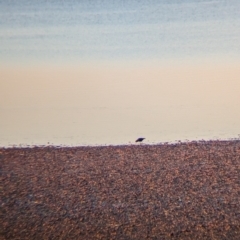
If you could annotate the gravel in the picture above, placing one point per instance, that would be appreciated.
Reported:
(168, 191)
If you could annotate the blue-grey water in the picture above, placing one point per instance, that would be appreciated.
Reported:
(106, 72)
(89, 30)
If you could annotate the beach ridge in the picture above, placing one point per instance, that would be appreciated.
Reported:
(187, 190)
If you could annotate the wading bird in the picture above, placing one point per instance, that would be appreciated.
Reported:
(140, 139)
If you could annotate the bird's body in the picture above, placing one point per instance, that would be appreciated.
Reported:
(140, 139)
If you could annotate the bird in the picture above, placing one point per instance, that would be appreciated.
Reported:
(140, 139)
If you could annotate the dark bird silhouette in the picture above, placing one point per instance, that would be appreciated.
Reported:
(140, 139)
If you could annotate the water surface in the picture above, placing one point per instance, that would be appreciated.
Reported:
(107, 72)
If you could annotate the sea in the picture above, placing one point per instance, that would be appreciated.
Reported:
(104, 72)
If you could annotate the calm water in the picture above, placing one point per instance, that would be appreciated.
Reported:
(64, 31)
(106, 72)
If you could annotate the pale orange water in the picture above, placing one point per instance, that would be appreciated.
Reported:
(114, 103)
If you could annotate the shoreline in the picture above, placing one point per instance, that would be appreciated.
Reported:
(185, 190)
(132, 144)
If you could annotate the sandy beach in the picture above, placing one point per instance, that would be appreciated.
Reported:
(187, 190)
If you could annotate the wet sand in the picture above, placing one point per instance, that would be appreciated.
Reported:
(169, 191)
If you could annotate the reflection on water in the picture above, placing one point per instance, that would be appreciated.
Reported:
(116, 104)
(116, 126)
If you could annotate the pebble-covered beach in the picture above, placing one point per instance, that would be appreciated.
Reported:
(186, 190)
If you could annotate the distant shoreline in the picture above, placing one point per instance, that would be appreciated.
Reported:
(133, 144)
